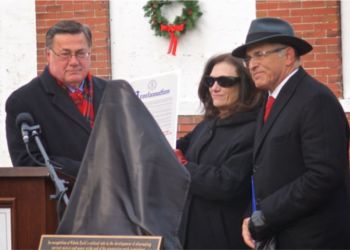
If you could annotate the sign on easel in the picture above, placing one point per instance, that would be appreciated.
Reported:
(99, 242)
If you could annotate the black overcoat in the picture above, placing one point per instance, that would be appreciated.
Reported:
(64, 131)
(301, 167)
(220, 162)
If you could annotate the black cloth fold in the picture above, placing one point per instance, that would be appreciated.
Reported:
(130, 182)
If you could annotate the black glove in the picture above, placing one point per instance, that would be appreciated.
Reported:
(258, 227)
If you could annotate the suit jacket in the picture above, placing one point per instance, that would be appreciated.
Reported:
(220, 153)
(64, 131)
(301, 167)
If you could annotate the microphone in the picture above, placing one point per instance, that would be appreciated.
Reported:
(24, 121)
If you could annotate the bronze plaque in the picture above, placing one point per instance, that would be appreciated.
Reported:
(99, 242)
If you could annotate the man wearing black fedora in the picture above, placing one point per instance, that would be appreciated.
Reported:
(301, 164)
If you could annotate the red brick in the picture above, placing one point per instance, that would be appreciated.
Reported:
(327, 25)
(324, 11)
(40, 9)
(186, 127)
(102, 57)
(336, 79)
(313, 4)
(333, 49)
(54, 8)
(333, 4)
(303, 26)
(102, 71)
(47, 15)
(187, 124)
(314, 64)
(268, 5)
(44, 2)
(261, 13)
(261, 5)
(84, 13)
(313, 33)
(293, 19)
(327, 71)
(101, 5)
(300, 12)
(186, 119)
(279, 13)
(68, 7)
(78, 6)
(289, 4)
(327, 41)
(67, 15)
(333, 33)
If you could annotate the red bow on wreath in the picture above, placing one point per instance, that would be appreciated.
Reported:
(171, 29)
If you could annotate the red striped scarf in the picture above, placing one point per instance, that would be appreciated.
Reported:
(83, 99)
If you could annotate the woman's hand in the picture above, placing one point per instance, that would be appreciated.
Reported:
(180, 156)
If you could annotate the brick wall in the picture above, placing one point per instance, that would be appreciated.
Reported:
(316, 21)
(94, 13)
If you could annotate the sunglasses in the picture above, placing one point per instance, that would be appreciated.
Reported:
(223, 81)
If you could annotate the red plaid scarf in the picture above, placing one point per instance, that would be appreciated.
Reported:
(83, 99)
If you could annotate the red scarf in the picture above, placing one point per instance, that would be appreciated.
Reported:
(83, 99)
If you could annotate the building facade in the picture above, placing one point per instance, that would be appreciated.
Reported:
(319, 22)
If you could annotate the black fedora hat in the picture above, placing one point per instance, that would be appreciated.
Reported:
(272, 30)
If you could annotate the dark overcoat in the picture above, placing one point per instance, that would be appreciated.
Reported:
(64, 131)
(301, 167)
(220, 162)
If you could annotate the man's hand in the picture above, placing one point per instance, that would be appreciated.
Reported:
(246, 234)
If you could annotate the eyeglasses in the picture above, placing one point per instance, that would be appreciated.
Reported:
(223, 81)
(65, 56)
(260, 54)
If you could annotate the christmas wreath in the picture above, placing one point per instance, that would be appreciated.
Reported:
(190, 14)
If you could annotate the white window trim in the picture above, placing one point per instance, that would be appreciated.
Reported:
(5, 229)
(345, 36)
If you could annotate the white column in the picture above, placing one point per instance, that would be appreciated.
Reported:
(345, 36)
(345, 28)
(18, 60)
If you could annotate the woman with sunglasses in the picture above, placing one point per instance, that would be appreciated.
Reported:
(218, 155)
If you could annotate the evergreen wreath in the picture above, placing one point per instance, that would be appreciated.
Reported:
(190, 14)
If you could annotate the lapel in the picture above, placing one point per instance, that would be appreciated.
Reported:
(61, 100)
(260, 121)
(282, 99)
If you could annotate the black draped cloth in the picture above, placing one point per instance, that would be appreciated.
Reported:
(130, 182)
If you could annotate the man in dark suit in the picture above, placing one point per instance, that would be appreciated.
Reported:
(63, 100)
(301, 172)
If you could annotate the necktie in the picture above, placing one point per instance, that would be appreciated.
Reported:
(77, 96)
(268, 107)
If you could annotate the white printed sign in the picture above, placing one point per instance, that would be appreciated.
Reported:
(160, 95)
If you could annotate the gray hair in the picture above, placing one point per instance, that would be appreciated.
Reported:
(67, 27)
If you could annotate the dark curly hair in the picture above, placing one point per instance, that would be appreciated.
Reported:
(249, 96)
